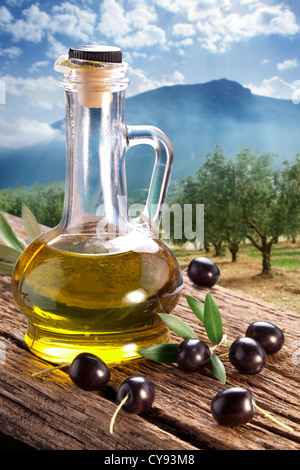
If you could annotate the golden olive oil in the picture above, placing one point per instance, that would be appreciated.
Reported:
(76, 300)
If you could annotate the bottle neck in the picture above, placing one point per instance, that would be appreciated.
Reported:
(96, 145)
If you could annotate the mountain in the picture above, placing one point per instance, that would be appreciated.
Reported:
(196, 118)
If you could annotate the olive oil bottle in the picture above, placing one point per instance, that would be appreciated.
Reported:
(96, 282)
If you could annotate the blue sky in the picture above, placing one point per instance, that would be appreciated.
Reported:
(166, 42)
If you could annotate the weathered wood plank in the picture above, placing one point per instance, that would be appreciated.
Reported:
(50, 412)
(39, 410)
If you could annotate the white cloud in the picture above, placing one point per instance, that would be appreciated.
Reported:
(287, 64)
(42, 92)
(140, 82)
(15, 3)
(221, 23)
(37, 66)
(141, 16)
(180, 46)
(219, 30)
(173, 6)
(12, 52)
(183, 29)
(177, 78)
(35, 24)
(134, 24)
(246, 2)
(32, 27)
(139, 55)
(192, 9)
(149, 36)
(186, 42)
(274, 87)
(55, 48)
(113, 25)
(132, 28)
(25, 133)
(121, 22)
(72, 21)
(5, 16)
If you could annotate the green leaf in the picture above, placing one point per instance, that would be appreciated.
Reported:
(6, 268)
(196, 306)
(178, 326)
(8, 254)
(212, 320)
(217, 368)
(8, 235)
(165, 353)
(31, 225)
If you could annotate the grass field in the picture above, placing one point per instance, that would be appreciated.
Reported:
(283, 288)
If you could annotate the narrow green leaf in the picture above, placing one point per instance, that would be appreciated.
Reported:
(212, 319)
(196, 306)
(6, 268)
(217, 368)
(8, 235)
(165, 353)
(178, 326)
(8, 254)
(31, 225)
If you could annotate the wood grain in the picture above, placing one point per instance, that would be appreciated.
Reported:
(50, 412)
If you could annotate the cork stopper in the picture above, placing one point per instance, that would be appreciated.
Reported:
(92, 92)
(94, 89)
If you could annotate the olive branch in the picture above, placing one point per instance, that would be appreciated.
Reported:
(12, 246)
(209, 315)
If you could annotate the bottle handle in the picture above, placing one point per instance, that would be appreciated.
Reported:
(161, 173)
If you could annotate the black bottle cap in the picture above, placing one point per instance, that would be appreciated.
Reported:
(96, 53)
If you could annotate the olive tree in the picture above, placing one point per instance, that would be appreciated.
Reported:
(258, 186)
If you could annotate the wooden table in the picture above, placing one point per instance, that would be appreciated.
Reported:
(49, 412)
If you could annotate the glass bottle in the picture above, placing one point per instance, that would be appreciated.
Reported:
(97, 281)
